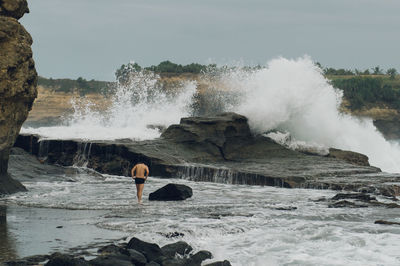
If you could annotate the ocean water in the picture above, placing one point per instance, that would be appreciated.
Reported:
(289, 100)
(243, 224)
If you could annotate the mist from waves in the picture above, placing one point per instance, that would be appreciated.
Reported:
(139, 110)
(267, 226)
(297, 103)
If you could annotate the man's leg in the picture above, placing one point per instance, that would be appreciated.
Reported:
(140, 192)
(137, 192)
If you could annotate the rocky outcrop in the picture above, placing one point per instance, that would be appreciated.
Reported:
(18, 80)
(217, 149)
(136, 252)
(213, 134)
(349, 156)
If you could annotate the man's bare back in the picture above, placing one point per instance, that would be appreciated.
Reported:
(140, 170)
(139, 173)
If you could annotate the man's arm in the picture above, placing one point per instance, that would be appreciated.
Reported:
(147, 171)
(133, 171)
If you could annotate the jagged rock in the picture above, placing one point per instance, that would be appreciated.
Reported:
(346, 204)
(165, 261)
(181, 247)
(137, 258)
(18, 80)
(349, 156)
(150, 250)
(356, 196)
(111, 260)
(219, 263)
(13, 8)
(58, 259)
(198, 258)
(152, 263)
(171, 234)
(171, 192)
(386, 222)
(113, 249)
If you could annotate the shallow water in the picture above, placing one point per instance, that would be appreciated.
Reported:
(235, 222)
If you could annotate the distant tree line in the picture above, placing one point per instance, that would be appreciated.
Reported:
(79, 85)
(329, 71)
(122, 74)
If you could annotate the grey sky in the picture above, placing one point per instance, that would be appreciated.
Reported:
(91, 38)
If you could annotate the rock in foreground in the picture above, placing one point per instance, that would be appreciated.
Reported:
(172, 192)
(18, 80)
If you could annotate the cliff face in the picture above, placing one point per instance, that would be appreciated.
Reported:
(18, 79)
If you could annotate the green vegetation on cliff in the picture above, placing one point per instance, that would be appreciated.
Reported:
(79, 85)
(363, 91)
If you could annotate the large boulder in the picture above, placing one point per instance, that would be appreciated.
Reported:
(181, 247)
(150, 250)
(171, 192)
(18, 79)
(211, 134)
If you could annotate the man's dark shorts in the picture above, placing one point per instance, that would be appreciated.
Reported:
(139, 180)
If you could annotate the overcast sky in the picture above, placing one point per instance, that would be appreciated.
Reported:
(92, 38)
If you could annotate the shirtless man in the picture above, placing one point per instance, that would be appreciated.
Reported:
(139, 173)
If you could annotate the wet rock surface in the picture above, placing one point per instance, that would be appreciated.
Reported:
(18, 80)
(359, 200)
(349, 156)
(135, 252)
(218, 149)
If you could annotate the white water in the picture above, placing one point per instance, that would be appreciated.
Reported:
(288, 95)
(138, 110)
(293, 96)
(234, 222)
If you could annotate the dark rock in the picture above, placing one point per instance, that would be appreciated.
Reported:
(111, 260)
(16, 263)
(172, 192)
(219, 263)
(137, 258)
(356, 196)
(150, 250)
(13, 8)
(152, 263)
(173, 262)
(199, 257)
(59, 227)
(113, 249)
(346, 204)
(172, 234)
(215, 130)
(288, 208)
(181, 247)
(58, 259)
(37, 258)
(349, 156)
(9, 185)
(386, 222)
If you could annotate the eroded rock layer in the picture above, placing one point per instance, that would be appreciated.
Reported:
(18, 80)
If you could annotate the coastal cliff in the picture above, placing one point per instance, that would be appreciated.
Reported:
(18, 80)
